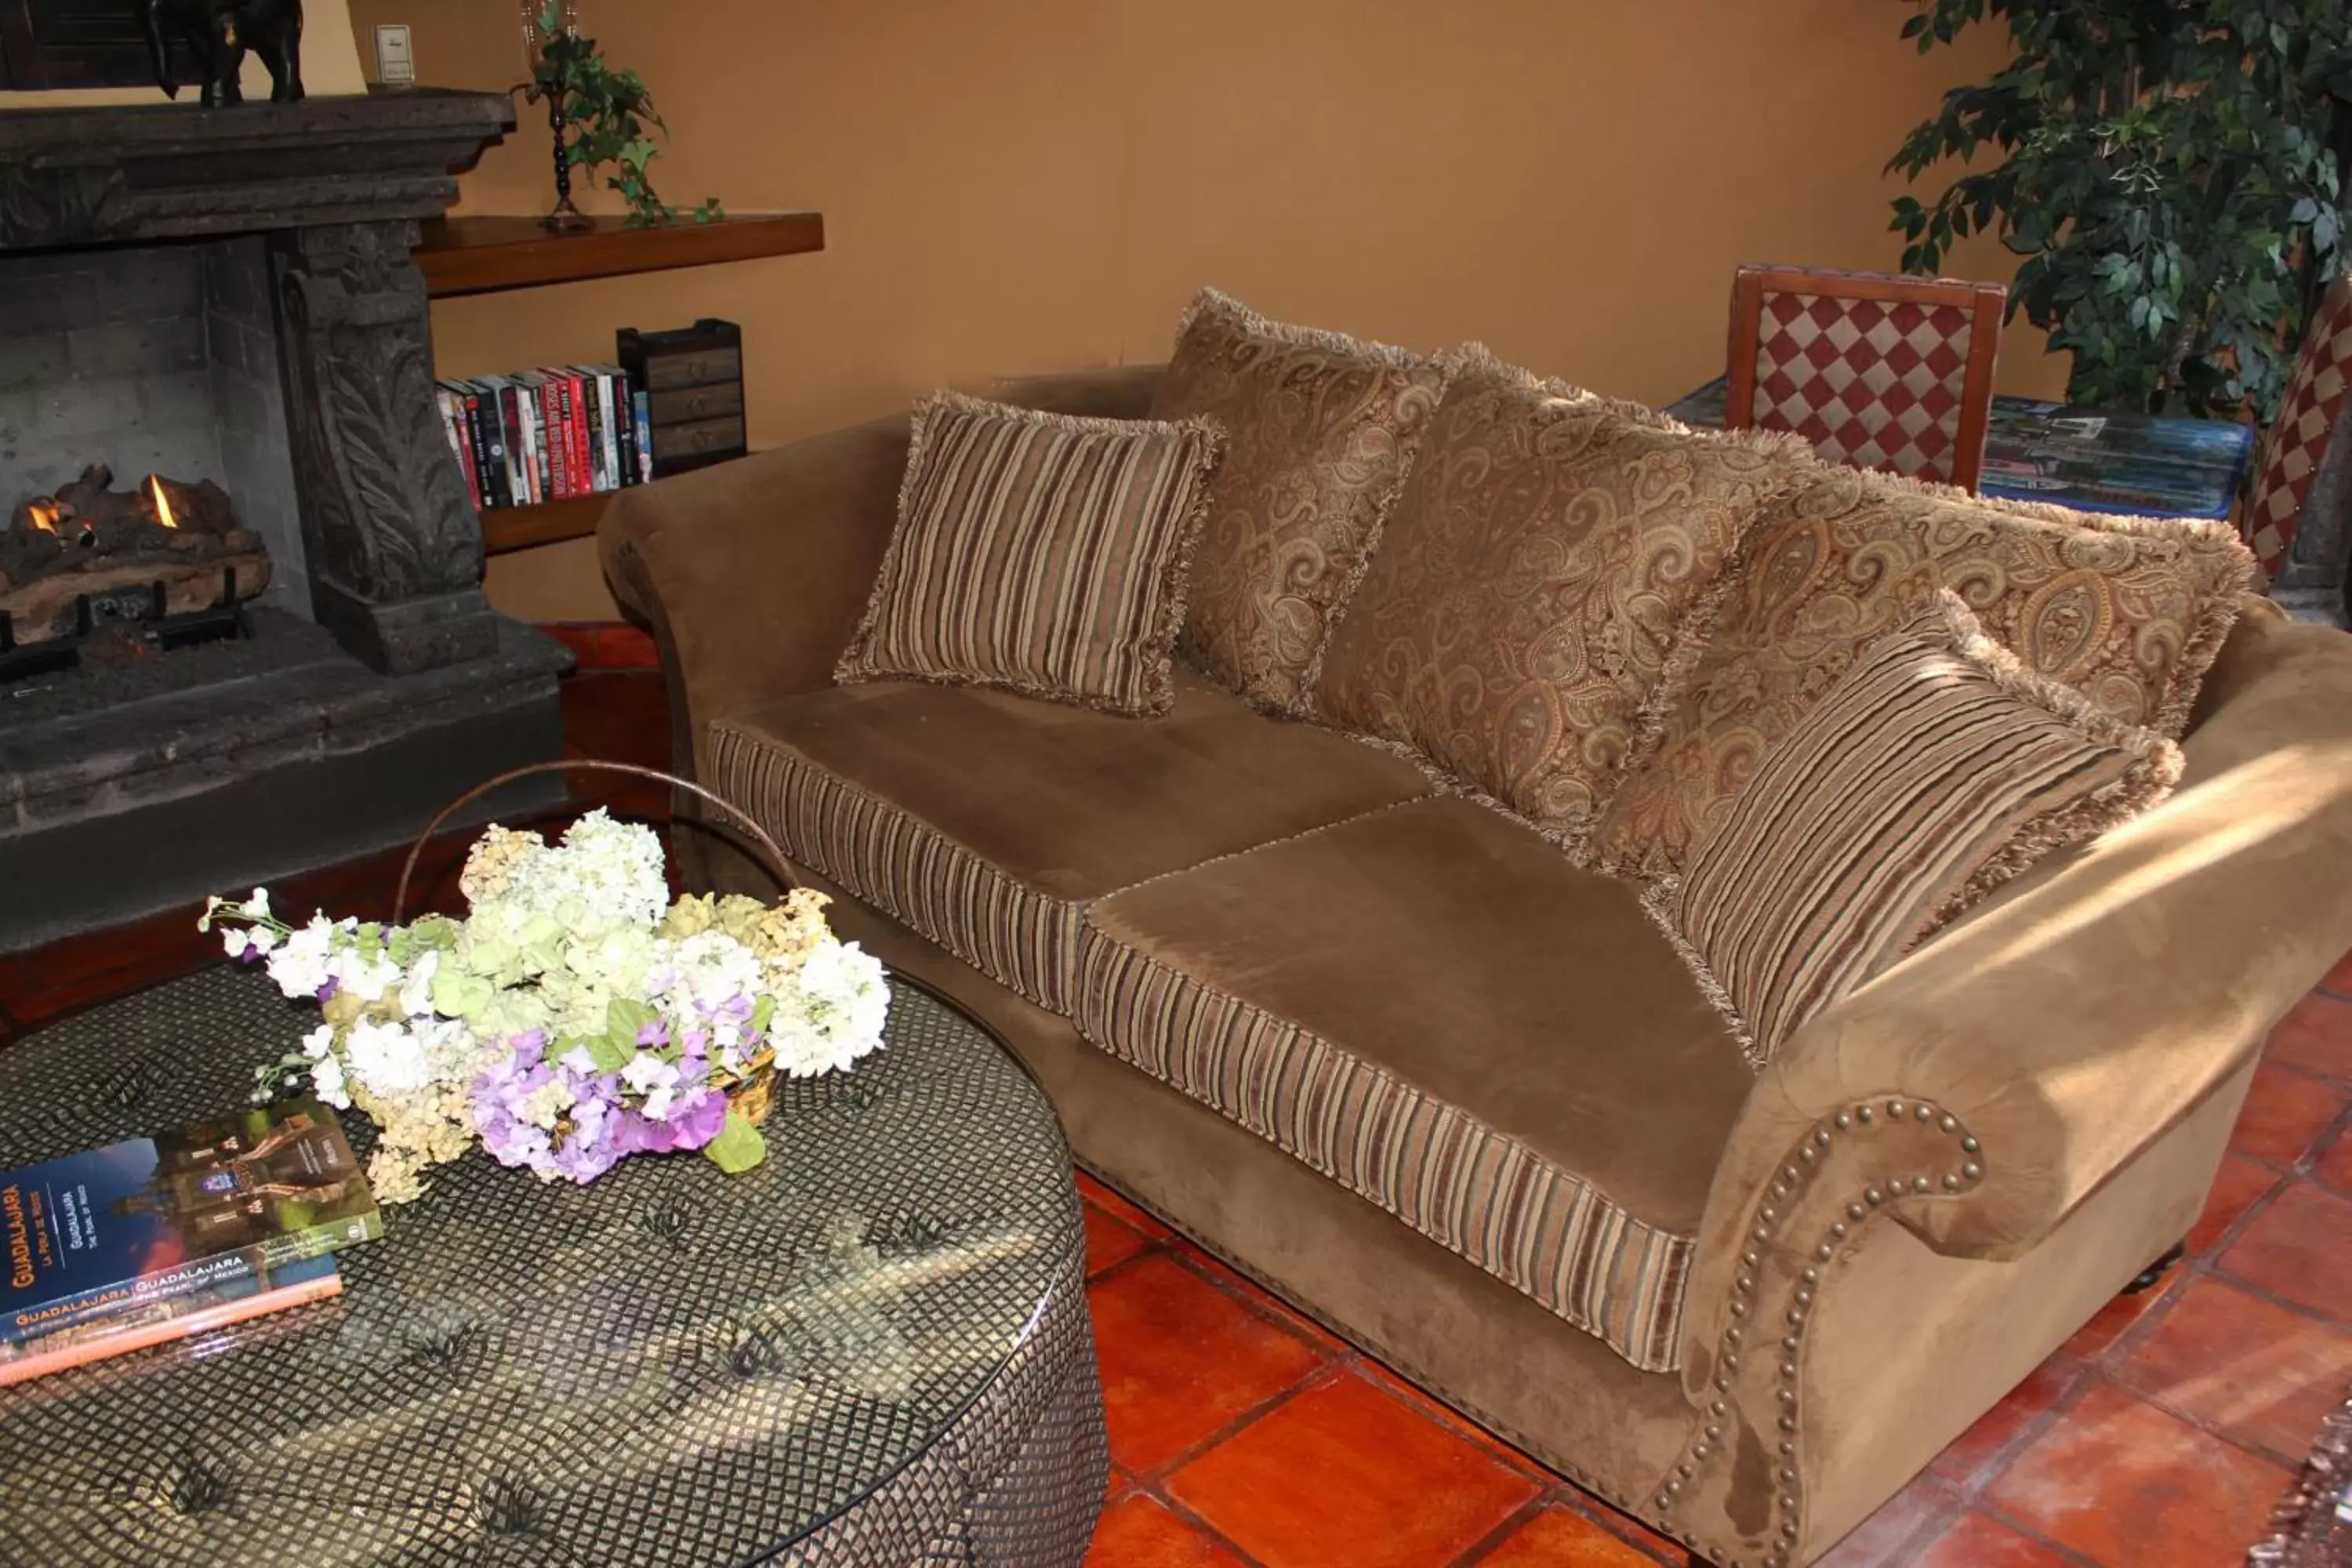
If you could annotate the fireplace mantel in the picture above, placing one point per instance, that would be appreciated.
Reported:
(95, 177)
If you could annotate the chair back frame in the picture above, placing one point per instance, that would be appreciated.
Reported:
(1984, 301)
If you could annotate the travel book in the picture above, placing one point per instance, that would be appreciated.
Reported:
(111, 1230)
(202, 1312)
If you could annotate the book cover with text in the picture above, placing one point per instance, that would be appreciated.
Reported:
(204, 1311)
(152, 1218)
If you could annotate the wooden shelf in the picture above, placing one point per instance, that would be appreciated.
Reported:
(506, 528)
(483, 255)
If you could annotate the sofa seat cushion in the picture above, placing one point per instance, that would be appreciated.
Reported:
(987, 821)
(1433, 1008)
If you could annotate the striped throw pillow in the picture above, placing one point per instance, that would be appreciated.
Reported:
(1936, 768)
(1039, 554)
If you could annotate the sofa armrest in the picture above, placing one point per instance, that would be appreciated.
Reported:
(2005, 1076)
(753, 574)
(2076, 1020)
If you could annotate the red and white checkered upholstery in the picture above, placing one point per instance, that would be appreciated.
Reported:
(2299, 435)
(1874, 383)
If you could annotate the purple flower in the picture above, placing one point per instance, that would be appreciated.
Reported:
(696, 1120)
(594, 1144)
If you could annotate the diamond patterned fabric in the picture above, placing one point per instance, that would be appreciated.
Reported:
(2299, 435)
(1873, 383)
(872, 1349)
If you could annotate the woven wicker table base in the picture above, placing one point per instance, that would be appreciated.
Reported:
(873, 1349)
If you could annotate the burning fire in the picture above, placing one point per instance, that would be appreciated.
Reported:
(163, 502)
(46, 514)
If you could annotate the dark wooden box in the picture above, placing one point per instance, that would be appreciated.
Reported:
(693, 381)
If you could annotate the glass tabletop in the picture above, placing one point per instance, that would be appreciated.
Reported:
(2092, 459)
(668, 1366)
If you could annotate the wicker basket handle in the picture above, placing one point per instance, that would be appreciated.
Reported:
(741, 817)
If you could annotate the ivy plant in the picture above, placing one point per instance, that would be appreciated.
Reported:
(2170, 170)
(613, 117)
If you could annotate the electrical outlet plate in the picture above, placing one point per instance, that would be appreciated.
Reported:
(395, 65)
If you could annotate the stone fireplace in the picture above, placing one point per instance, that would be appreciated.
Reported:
(226, 300)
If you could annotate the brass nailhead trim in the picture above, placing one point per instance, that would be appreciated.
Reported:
(1791, 1182)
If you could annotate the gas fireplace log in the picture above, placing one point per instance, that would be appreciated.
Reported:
(42, 610)
(89, 538)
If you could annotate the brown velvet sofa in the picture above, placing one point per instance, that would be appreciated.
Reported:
(1921, 1197)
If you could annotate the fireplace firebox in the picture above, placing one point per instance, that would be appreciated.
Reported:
(242, 628)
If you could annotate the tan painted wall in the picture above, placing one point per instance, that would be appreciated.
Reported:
(1014, 185)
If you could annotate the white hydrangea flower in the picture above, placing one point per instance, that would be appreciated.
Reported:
(613, 868)
(327, 1083)
(388, 1060)
(831, 1011)
(300, 966)
(604, 875)
(365, 976)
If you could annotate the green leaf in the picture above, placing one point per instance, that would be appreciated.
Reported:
(609, 1054)
(738, 1147)
(625, 1019)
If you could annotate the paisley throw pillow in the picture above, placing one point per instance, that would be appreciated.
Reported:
(1541, 572)
(1319, 431)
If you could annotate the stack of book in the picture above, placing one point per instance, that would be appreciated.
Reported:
(548, 435)
(165, 1238)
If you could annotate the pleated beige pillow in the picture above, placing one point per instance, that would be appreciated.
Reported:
(1039, 554)
(1936, 769)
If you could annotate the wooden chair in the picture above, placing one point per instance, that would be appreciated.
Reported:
(1875, 370)
(2295, 516)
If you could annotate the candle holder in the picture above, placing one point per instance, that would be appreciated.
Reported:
(545, 22)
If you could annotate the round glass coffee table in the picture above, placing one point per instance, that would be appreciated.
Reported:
(872, 1349)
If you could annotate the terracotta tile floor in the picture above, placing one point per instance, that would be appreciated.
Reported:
(1243, 1434)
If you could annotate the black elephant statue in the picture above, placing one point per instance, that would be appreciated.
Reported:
(220, 31)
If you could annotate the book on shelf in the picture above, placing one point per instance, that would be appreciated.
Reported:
(549, 434)
(93, 1235)
(452, 404)
(271, 1288)
(522, 404)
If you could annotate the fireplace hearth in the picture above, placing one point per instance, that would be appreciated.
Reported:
(242, 629)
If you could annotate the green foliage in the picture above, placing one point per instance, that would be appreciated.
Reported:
(2171, 170)
(738, 1146)
(625, 1018)
(613, 118)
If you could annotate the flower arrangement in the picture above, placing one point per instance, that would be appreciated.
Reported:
(575, 1017)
